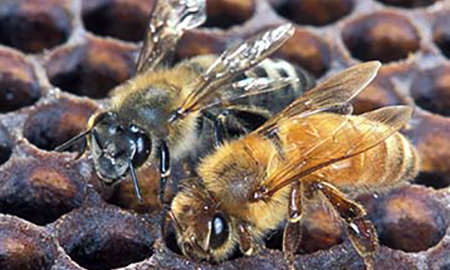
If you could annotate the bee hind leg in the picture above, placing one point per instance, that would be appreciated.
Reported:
(293, 231)
(360, 231)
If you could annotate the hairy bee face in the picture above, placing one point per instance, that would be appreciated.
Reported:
(117, 146)
(203, 230)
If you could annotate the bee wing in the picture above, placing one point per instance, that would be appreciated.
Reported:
(233, 62)
(337, 90)
(352, 136)
(169, 20)
(249, 87)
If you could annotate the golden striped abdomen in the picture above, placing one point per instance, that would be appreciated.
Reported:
(315, 141)
(389, 163)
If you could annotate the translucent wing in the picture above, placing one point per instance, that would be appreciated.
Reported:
(250, 87)
(169, 20)
(329, 140)
(337, 90)
(231, 63)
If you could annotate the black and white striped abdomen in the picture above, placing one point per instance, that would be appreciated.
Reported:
(273, 101)
(277, 68)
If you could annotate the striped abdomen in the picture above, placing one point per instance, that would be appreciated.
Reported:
(390, 162)
(275, 69)
(272, 68)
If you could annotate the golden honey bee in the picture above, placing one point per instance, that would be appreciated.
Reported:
(155, 115)
(312, 151)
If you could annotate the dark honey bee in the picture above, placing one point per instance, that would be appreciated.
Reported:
(155, 115)
(310, 152)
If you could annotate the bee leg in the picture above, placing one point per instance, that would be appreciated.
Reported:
(236, 121)
(219, 129)
(164, 168)
(293, 231)
(361, 232)
(247, 244)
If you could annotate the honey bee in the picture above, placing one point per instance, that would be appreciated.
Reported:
(312, 151)
(155, 115)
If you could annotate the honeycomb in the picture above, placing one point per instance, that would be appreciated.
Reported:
(60, 58)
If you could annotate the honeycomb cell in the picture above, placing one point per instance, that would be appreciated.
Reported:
(321, 231)
(307, 51)
(315, 12)
(18, 82)
(40, 189)
(436, 180)
(123, 19)
(381, 36)
(408, 219)
(431, 90)
(381, 91)
(195, 43)
(5, 145)
(408, 3)
(32, 26)
(227, 13)
(50, 125)
(430, 133)
(104, 237)
(25, 246)
(441, 33)
(92, 69)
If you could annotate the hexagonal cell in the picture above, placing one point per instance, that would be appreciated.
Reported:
(50, 125)
(123, 19)
(24, 246)
(32, 26)
(431, 90)
(321, 230)
(5, 145)
(381, 91)
(406, 213)
(307, 51)
(436, 180)
(91, 69)
(430, 133)
(227, 13)
(104, 238)
(315, 12)
(383, 36)
(18, 82)
(40, 190)
(195, 43)
(441, 33)
(409, 3)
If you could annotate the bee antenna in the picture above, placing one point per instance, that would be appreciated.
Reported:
(135, 182)
(72, 141)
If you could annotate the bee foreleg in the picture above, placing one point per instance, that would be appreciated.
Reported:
(247, 243)
(361, 232)
(164, 168)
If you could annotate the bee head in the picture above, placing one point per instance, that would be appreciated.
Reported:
(203, 230)
(117, 147)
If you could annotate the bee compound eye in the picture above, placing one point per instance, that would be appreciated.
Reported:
(219, 231)
(143, 146)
